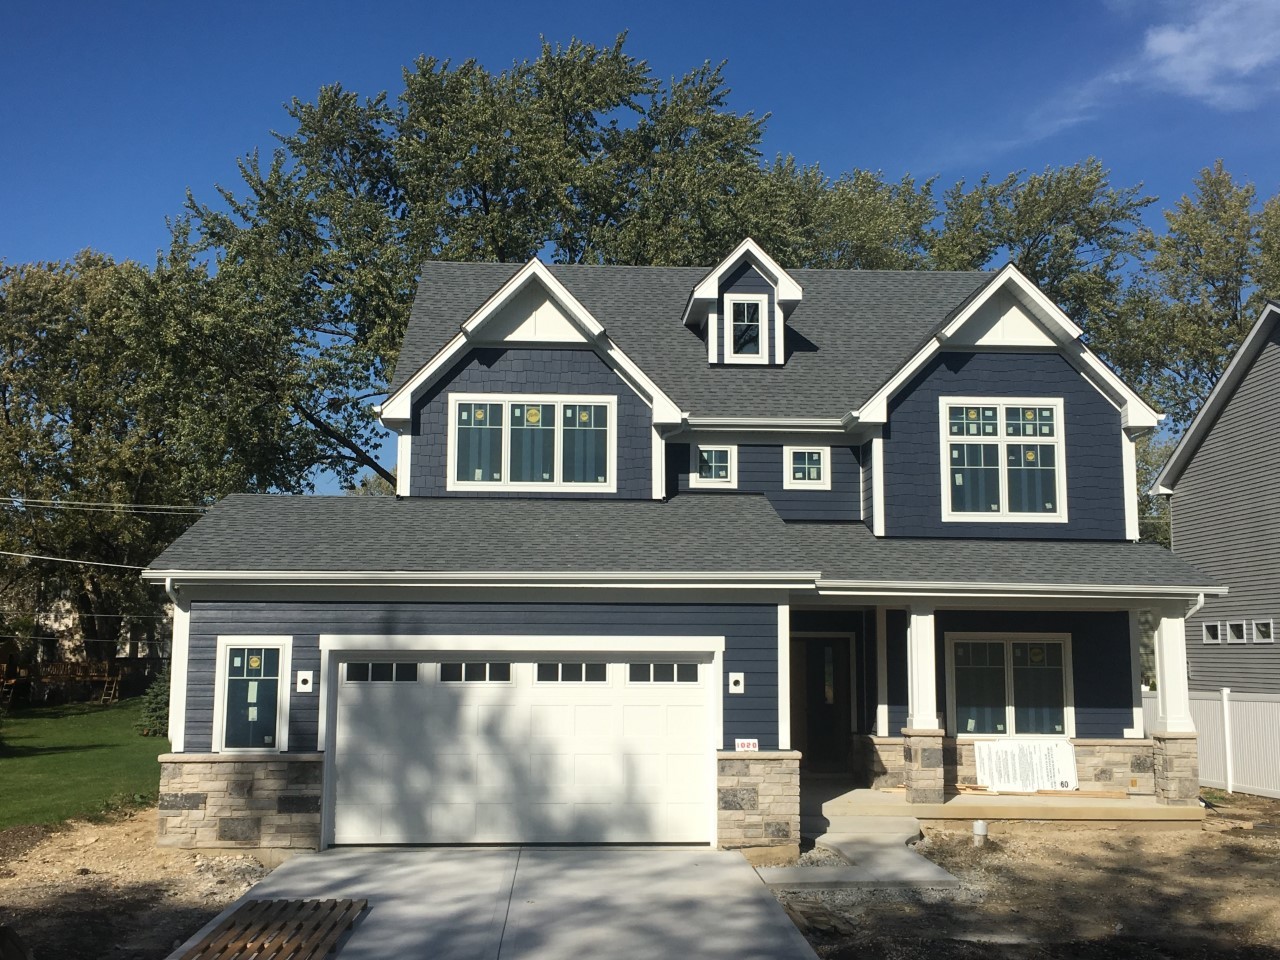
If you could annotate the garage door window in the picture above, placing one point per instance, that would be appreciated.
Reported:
(664, 673)
(252, 697)
(475, 672)
(382, 672)
(571, 672)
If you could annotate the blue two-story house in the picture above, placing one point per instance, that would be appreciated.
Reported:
(666, 543)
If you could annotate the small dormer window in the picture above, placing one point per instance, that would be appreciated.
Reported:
(746, 328)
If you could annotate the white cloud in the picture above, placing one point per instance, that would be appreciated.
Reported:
(1221, 52)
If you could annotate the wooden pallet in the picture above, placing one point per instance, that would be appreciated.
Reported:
(279, 929)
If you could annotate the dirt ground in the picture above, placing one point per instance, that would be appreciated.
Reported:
(1041, 892)
(105, 890)
(1038, 893)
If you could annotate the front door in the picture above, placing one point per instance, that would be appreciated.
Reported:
(820, 667)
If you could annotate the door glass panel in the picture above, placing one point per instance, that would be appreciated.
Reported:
(828, 674)
(1039, 697)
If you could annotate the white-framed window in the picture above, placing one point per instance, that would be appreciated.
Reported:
(1236, 632)
(381, 671)
(532, 443)
(1263, 631)
(713, 465)
(747, 329)
(1211, 632)
(1003, 459)
(251, 699)
(1010, 685)
(571, 671)
(662, 673)
(475, 671)
(806, 468)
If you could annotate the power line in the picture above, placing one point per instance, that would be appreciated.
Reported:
(90, 563)
(96, 616)
(18, 503)
(113, 503)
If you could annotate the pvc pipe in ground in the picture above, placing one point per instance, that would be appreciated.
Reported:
(979, 833)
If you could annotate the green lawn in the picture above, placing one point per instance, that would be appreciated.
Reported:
(77, 760)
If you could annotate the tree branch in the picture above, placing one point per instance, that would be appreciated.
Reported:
(358, 455)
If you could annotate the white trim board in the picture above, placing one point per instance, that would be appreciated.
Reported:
(708, 288)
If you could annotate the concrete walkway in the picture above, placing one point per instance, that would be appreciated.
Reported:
(878, 856)
(519, 903)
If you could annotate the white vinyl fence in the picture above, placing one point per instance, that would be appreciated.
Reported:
(1239, 739)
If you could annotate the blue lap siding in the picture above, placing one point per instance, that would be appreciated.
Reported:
(1091, 431)
(750, 632)
(760, 470)
(525, 371)
(1101, 670)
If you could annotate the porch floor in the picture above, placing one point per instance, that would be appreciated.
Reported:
(825, 801)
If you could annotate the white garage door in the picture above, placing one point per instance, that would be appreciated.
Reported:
(561, 748)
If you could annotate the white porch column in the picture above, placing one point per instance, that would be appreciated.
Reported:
(1136, 731)
(882, 673)
(178, 676)
(784, 676)
(1173, 697)
(922, 675)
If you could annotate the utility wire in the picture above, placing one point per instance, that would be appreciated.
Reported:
(90, 563)
(112, 503)
(17, 503)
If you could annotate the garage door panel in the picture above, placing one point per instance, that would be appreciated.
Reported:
(522, 761)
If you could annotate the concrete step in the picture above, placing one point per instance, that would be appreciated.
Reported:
(902, 829)
(876, 860)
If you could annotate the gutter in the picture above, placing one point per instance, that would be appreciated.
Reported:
(882, 588)
(780, 580)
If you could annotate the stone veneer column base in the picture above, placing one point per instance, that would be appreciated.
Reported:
(758, 804)
(922, 766)
(1177, 769)
(239, 801)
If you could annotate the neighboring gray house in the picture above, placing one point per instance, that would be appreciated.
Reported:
(667, 543)
(1223, 485)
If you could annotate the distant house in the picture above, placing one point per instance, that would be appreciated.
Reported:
(670, 542)
(1223, 485)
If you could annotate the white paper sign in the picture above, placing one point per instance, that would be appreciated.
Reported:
(746, 745)
(1027, 764)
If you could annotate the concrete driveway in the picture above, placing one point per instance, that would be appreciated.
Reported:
(519, 903)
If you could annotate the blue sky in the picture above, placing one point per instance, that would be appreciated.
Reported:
(112, 110)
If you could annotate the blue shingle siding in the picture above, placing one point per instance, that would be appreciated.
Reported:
(746, 279)
(750, 632)
(760, 469)
(912, 447)
(528, 370)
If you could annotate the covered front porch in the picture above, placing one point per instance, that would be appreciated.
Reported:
(890, 701)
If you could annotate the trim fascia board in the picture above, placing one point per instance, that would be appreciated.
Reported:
(882, 588)
(782, 580)
(708, 288)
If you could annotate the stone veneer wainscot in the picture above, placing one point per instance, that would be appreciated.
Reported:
(758, 801)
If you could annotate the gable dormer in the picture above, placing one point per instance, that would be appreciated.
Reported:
(740, 308)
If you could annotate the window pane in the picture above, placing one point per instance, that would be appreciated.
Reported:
(713, 463)
(499, 672)
(1033, 485)
(407, 672)
(980, 687)
(686, 672)
(251, 699)
(451, 672)
(533, 442)
(975, 477)
(1029, 422)
(586, 443)
(473, 671)
(746, 329)
(1039, 698)
(548, 672)
(639, 673)
(571, 672)
(357, 672)
(1262, 631)
(380, 672)
(806, 465)
(595, 673)
(479, 436)
(664, 673)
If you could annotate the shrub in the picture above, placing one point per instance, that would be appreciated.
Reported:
(153, 718)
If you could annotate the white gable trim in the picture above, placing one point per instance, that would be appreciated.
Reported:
(1134, 411)
(1218, 398)
(395, 412)
(708, 289)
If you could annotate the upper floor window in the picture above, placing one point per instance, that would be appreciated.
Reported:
(713, 466)
(806, 468)
(530, 443)
(746, 328)
(1003, 460)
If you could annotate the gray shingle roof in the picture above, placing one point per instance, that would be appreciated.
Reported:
(852, 331)
(685, 534)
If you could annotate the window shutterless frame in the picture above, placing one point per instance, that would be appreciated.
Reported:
(1004, 445)
(764, 340)
(560, 402)
(1211, 632)
(1237, 631)
(1010, 707)
(806, 468)
(718, 459)
(1262, 631)
(284, 685)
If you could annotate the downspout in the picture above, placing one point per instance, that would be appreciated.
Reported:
(1195, 607)
(172, 591)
